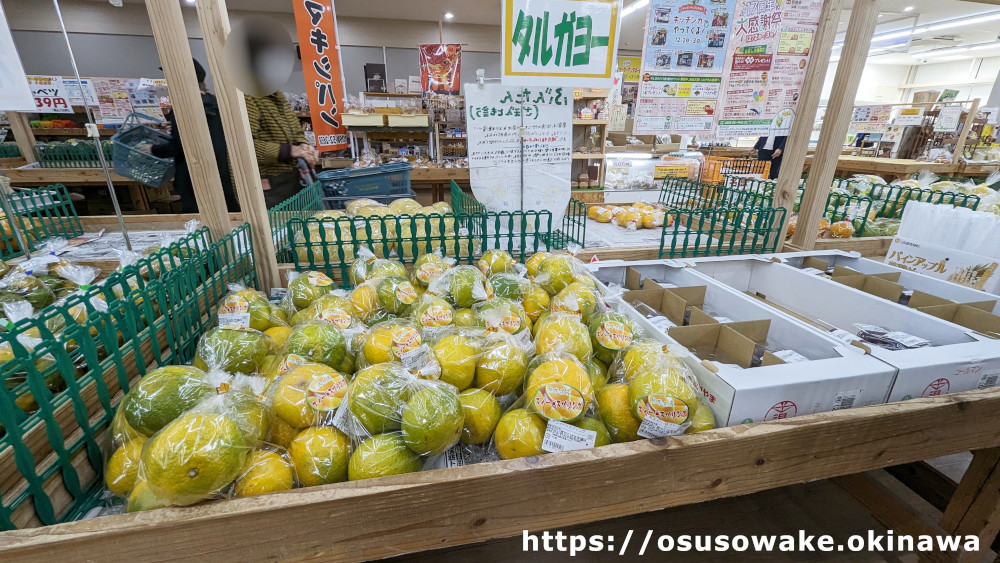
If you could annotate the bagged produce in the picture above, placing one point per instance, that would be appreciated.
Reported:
(563, 332)
(495, 261)
(499, 314)
(463, 286)
(429, 267)
(248, 308)
(234, 350)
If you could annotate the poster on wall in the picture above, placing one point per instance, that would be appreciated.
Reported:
(870, 119)
(113, 101)
(50, 94)
(316, 25)
(15, 93)
(630, 68)
(765, 66)
(440, 69)
(948, 119)
(73, 92)
(568, 43)
(495, 115)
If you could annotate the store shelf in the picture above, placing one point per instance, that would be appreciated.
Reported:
(303, 114)
(391, 95)
(588, 156)
(454, 138)
(67, 132)
(590, 122)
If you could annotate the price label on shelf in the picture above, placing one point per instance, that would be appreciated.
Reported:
(562, 437)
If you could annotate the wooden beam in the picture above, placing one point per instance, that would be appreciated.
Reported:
(864, 14)
(476, 503)
(797, 144)
(925, 480)
(214, 19)
(966, 129)
(172, 45)
(23, 135)
(886, 506)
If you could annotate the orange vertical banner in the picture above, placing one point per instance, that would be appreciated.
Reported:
(316, 24)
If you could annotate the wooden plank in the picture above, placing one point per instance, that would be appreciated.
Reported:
(480, 502)
(922, 478)
(13, 162)
(797, 144)
(864, 14)
(66, 176)
(214, 19)
(867, 246)
(886, 506)
(976, 478)
(966, 129)
(23, 136)
(172, 45)
(94, 223)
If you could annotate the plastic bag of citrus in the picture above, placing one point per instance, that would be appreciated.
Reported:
(365, 304)
(398, 419)
(463, 286)
(317, 341)
(496, 261)
(248, 308)
(579, 298)
(429, 267)
(510, 285)
(433, 315)
(651, 394)
(234, 350)
(304, 288)
(502, 363)
(333, 308)
(555, 272)
(563, 332)
(502, 315)
(368, 267)
(611, 333)
(522, 432)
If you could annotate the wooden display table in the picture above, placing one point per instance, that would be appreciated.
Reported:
(438, 180)
(77, 177)
(888, 168)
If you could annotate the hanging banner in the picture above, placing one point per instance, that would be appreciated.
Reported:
(113, 100)
(495, 115)
(765, 66)
(50, 94)
(682, 62)
(440, 69)
(15, 93)
(569, 43)
(316, 24)
(629, 67)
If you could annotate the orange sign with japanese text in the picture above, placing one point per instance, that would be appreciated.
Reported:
(316, 24)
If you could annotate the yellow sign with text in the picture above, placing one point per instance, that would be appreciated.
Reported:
(629, 67)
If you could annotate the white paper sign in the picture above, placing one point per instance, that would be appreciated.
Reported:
(495, 116)
(909, 116)
(73, 92)
(618, 117)
(15, 93)
(963, 268)
(50, 94)
(947, 119)
(571, 43)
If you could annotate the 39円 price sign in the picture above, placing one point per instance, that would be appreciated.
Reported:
(50, 94)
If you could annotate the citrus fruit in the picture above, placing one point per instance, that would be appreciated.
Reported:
(193, 457)
(508, 286)
(532, 263)
(278, 334)
(535, 300)
(387, 268)
(468, 286)
(233, 350)
(434, 312)
(428, 268)
(320, 455)
(142, 498)
(538, 323)
(519, 434)
(616, 414)
(611, 333)
(396, 294)
(432, 420)
(317, 341)
(576, 299)
(594, 425)
(558, 387)
(465, 317)
(641, 356)
(598, 373)
(364, 302)
(482, 413)
(386, 342)
(501, 315)
(381, 455)
(495, 261)
(377, 395)
(555, 273)
(265, 472)
(564, 333)
(298, 399)
(308, 287)
(663, 394)
(123, 468)
(281, 433)
(702, 420)
(357, 273)
(457, 356)
(500, 369)
(330, 308)
(247, 410)
(162, 395)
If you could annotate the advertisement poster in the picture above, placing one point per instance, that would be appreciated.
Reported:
(145, 98)
(73, 92)
(50, 94)
(870, 119)
(440, 69)
(568, 43)
(956, 266)
(765, 66)
(113, 100)
(15, 93)
(947, 119)
(630, 68)
(687, 36)
(909, 116)
(316, 25)
(495, 115)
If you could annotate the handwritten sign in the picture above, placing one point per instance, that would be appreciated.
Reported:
(50, 94)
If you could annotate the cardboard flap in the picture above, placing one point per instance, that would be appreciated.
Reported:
(673, 306)
(633, 279)
(920, 299)
(700, 340)
(945, 312)
(841, 271)
(735, 348)
(887, 276)
(693, 295)
(699, 317)
(755, 331)
(771, 360)
(813, 262)
(883, 288)
(855, 281)
(978, 320)
(987, 306)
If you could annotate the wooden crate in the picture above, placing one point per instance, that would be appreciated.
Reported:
(589, 196)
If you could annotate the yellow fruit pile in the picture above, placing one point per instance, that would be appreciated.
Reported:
(633, 217)
(473, 361)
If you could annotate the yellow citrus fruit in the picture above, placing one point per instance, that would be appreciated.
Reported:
(457, 356)
(564, 333)
(364, 302)
(577, 299)
(519, 434)
(670, 386)
(555, 273)
(432, 420)
(142, 498)
(193, 457)
(385, 342)
(265, 472)
(500, 369)
(295, 403)
(532, 263)
(278, 334)
(643, 356)
(482, 413)
(377, 395)
(320, 455)
(702, 420)
(381, 455)
(123, 467)
(281, 433)
(594, 425)
(616, 414)
(546, 393)
(465, 317)
(536, 301)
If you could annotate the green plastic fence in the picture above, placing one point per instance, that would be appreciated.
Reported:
(895, 199)
(61, 154)
(9, 149)
(41, 213)
(723, 231)
(680, 193)
(975, 181)
(60, 391)
(300, 206)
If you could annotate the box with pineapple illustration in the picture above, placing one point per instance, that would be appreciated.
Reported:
(963, 268)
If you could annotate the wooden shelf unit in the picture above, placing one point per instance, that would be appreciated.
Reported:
(581, 161)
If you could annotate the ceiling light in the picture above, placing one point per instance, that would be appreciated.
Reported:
(993, 16)
(189, 1)
(449, 16)
(634, 6)
(908, 9)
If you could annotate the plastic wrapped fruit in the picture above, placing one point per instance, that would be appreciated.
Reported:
(382, 455)
(564, 333)
(576, 299)
(396, 294)
(233, 350)
(308, 287)
(390, 340)
(556, 272)
(611, 333)
(501, 367)
(532, 264)
(558, 387)
(840, 229)
(500, 314)
(317, 341)
(496, 261)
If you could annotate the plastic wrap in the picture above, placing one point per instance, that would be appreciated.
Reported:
(495, 261)
(317, 341)
(462, 285)
(249, 308)
(610, 333)
(558, 271)
(268, 469)
(501, 315)
(429, 267)
(307, 287)
(365, 305)
(457, 352)
(396, 294)
(234, 350)
(562, 332)
(501, 367)
(578, 299)
(433, 315)
(21, 286)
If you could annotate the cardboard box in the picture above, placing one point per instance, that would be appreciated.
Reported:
(963, 268)
(828, 374)
(959, 359)
(367, 120)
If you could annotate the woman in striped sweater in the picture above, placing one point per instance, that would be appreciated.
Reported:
(278, 142)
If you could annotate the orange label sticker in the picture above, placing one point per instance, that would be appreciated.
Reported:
(326, 392)
(436, 316)
(428, 271)
(663, 407)
(558, 401)
(319, 278)
(404, 339)
(337, 317)
(614, 335)
(291, 362)
(406, 293)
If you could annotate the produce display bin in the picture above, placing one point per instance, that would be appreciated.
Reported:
(41, 214)
(82, 154)
(895, 199)
(60, 395)
(805, 371)
(958, 359)
(354, 183)
(714, 168)
(301, 205)
(721, 231)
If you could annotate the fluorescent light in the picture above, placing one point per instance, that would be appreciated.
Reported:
(449, 16)
(908, 9)
(634, 6)
(189, 1)
(936, 53)
(967, 21)
(892, 35)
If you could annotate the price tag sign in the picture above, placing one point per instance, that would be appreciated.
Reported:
(50, 94)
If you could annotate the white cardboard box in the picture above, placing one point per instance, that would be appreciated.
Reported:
(959, 360)
(966, 268)
(835, 375)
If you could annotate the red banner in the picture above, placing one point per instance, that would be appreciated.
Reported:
(441, 69)
(316, 24)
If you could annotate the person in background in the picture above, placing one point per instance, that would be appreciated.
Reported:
(171, 148)
(771, 148)
(278, 142)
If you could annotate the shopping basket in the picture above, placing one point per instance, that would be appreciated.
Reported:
(129, 158)
(384, 180)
